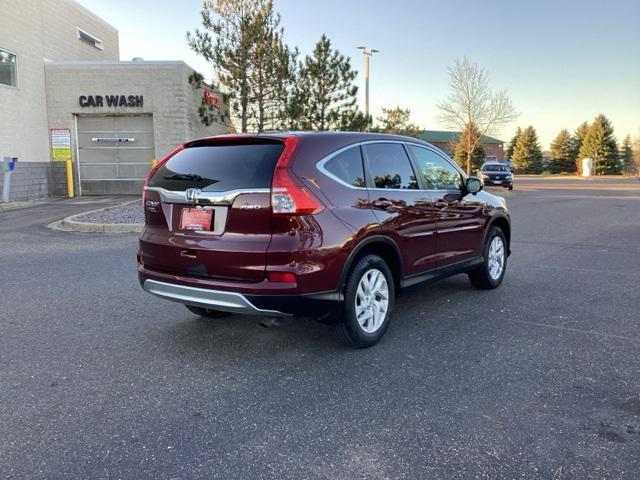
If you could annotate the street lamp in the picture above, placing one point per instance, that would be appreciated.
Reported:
(366, 52)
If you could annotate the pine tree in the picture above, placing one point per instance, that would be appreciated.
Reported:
(353, 120)
(600, 145)
(272, 65)
(626, 153)
(243, 41)
(396, 121)
(579, 136)
(563, 153)
(527, 154)
(512, 144)
(461, 148)
(325, 89)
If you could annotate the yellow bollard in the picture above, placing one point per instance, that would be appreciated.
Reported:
(69, 170)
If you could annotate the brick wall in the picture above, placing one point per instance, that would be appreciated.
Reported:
(33, 180)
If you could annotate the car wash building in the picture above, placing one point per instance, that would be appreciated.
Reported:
(64, 94)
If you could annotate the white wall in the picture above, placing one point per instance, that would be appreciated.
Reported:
(36, 30)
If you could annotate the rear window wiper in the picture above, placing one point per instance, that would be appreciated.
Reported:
(184, 176)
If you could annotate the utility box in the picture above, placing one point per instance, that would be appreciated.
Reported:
(587, 167)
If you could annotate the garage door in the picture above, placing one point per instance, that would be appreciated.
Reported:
(114, 153)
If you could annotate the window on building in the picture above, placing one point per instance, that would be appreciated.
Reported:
(347, 166)
(90, 39)
(8, 69)
(438, 172)
(390, 167)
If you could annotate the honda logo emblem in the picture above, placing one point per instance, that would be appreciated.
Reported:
(192, 194)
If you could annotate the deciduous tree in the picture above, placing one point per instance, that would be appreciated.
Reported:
(471, 101)
(460, 154)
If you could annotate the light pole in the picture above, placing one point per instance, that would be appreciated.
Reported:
(366, 52)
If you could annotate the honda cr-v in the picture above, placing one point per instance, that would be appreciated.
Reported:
(323, 225)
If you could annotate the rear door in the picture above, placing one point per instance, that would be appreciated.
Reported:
(460, 217)
(208, 210)
(405, 212)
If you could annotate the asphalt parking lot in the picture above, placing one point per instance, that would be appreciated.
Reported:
(537, 379)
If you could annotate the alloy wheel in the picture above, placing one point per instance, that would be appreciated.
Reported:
(372, 300)
(496, 257)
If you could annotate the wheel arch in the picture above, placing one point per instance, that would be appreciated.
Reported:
(504, 224)
(382, 246)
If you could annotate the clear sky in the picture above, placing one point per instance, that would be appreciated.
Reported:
(562, 61)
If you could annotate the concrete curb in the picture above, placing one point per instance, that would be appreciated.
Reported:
(70, 224)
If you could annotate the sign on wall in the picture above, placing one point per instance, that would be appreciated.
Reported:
(111, 100)
(113, 139)
(60, 144)
(209, 98)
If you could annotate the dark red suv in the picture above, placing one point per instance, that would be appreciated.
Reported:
(325, 225)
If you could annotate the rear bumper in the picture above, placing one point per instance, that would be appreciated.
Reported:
(205, 298)
(312, 304)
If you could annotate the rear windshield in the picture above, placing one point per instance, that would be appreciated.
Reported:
(494, 168)
(219, 168)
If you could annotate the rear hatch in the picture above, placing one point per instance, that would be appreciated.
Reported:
(208, 209)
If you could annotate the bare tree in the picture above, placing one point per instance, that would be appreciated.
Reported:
(471, 102)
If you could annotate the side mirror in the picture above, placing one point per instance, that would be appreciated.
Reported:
(473, 185)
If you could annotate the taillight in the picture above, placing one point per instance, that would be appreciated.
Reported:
(288, 194)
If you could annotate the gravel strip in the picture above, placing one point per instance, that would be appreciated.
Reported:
(131, 212)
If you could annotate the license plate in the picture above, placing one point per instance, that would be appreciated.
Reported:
(196, 219)
(497, 181)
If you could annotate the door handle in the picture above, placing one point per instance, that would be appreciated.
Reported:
(441, 204)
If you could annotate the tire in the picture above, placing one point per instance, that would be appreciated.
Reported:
(207, 312)
(510, 187)
(486, 276)
(368, 271)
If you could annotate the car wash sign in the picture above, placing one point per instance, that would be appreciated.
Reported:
(113, 101)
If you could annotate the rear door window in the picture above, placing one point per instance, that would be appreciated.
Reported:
(347, 166)
(219, 168)
(390, 167)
